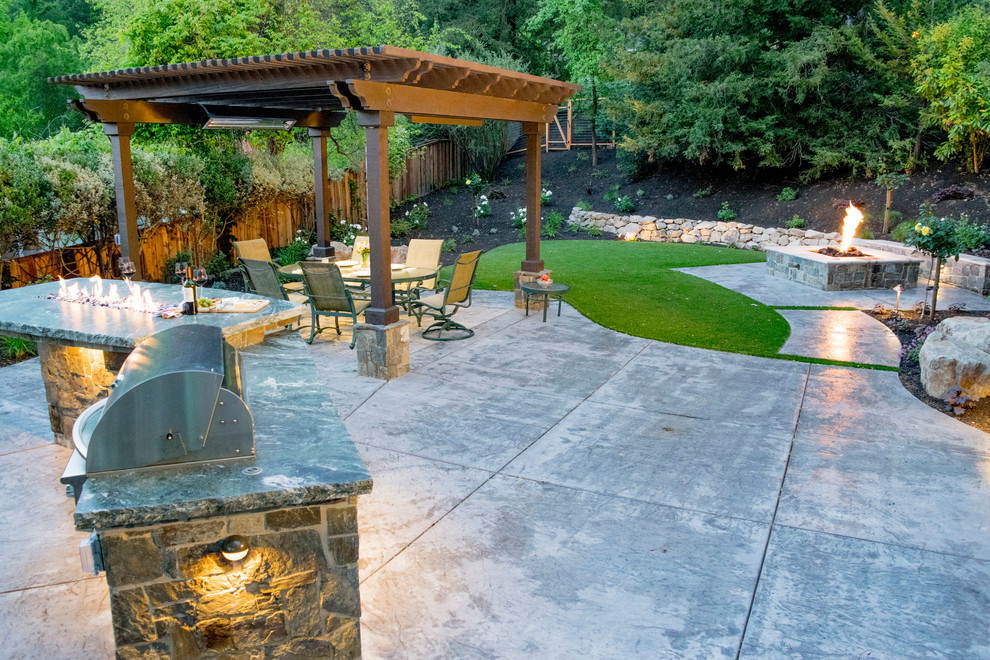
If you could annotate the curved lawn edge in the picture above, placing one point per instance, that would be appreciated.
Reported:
(630, 287)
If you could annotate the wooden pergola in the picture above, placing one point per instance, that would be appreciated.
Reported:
(314, 89)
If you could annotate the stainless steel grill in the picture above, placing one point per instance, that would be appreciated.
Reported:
(176, 399)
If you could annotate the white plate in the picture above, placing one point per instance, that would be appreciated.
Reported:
(361, 273)
(348, 264)
(398, 266)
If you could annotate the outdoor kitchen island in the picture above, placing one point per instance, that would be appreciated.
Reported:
(161, 532)
(173, 591)
(83, 345)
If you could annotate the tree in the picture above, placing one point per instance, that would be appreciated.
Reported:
(952, 73)
(31, 51)
(581, 38)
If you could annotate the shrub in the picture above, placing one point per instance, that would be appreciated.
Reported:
(518, 218)
(400, 227)
(483, 208)
(901, 231)
(418, 215)
(594, 231)
(15, 347)
(582, 155)
(704, 192)
(297, 249)
(795, 222)
(546, 197)
(583, 205)
(612, 194)
(972, 236)
(448, 245)
(552, 225)
(725, 214)
(787, 195)
(466, 239)
(218, 265)
(625, 205)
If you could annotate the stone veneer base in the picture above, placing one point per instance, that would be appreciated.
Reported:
(520, 276)
(382, 350)
(879, 270)
(295, 595)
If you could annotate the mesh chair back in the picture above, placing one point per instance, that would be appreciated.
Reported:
(256, 249)
(463, 278)
(264, 279)
(424, 253)
(325, 287)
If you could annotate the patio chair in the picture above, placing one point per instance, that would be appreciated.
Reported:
(263, 278)
(328, 297)
(442, 306)
(257, 249)
(423, 253)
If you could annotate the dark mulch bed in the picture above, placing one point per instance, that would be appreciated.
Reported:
(671, 193)
(907, 326)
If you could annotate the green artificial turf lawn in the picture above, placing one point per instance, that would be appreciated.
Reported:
(630, 287)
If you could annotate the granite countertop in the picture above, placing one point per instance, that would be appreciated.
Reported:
(23, 313)
(302, 447)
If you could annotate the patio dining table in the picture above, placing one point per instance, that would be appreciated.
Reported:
(401, 274)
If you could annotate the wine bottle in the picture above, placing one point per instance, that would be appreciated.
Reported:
(189, 301)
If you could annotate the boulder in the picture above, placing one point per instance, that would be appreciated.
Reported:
(957, 353)
(631, 228)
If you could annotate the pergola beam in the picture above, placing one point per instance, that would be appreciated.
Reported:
(370, 95)
(150, 112)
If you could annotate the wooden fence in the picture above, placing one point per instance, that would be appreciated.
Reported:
(431, 166)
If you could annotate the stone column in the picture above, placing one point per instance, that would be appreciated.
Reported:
(295, 595)
(75, 378)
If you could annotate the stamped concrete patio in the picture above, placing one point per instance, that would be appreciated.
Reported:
(560, 490)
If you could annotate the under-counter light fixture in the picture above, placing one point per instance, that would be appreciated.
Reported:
(250, 123)
(235, 548)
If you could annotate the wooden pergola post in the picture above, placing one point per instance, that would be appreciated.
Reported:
(534, 183)
(322, 193)
(123, 179)
(382, 341)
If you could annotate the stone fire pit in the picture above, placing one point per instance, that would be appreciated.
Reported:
(876, 270)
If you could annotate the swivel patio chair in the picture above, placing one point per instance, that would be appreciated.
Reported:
(329, 297)
(442, 306)
(263, 278)
(257, 249)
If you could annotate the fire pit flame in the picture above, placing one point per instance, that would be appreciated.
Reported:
(137, 300)
(849, 224)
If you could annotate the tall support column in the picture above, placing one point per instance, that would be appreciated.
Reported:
(382, 341)
(382, 310)
(534, 184)
(532, 265)
(322, 190)
(123, 178)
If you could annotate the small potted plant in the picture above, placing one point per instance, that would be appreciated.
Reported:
(364, 252)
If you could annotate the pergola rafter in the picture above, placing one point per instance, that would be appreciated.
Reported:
(315, 89)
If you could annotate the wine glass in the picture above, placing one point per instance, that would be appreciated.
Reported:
(180, 270)
(199, 276)
(127, 267)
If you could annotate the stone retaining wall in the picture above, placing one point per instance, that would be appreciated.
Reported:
(684, 230)
(969, 272)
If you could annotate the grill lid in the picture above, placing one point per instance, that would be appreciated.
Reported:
(173, 401)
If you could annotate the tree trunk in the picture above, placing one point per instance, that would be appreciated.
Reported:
(886, 213)
(594, 127)
(938, 276)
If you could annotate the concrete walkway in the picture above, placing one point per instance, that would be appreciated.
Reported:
(560, 490)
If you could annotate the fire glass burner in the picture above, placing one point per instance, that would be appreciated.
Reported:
(834, 252)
